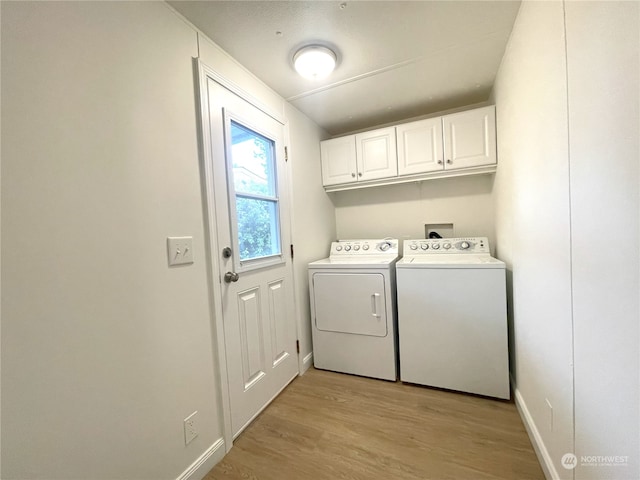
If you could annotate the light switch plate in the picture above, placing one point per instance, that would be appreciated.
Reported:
(180, 250)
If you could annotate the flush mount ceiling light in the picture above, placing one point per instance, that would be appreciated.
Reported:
(314, 62)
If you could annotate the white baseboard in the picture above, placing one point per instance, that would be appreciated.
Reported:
(306, 363)
(198, 469)
(544, 458)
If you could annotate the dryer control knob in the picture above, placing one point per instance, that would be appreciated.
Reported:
(464, 245)
(338, 248)
(356, 247)
(347, 248)
(447, 246)
(384, 246)
(424, 246)
(414, 247)
(365, 246)
(436, 246)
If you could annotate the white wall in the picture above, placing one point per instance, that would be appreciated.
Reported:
(105, 350)
(532, 222)
(314, 223)
(567, 183)
(0, 268)
(603, 71)
(401, 211)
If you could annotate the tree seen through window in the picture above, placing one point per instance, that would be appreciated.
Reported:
(255, 187)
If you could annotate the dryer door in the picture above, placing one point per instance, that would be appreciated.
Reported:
(350, 303)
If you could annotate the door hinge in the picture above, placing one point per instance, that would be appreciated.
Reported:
(298, 346)
(292, 250)
(286, 154)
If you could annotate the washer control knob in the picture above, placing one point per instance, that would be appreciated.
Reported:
(384, 246)
(447, 246)
(347, 248)
(414, 246)
(464, 245)
(424, 246)
(356, 247)
(338, 248)
(365, 246)
(436, 246)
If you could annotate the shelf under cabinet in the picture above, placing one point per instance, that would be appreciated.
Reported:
(483, 170)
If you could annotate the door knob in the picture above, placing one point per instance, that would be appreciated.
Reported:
(231, 277)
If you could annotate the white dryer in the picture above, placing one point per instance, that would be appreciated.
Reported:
(353, 308)
(452, 316)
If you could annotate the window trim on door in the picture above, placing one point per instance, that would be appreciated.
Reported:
(241, 266)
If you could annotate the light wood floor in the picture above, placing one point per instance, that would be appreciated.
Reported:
(331, 426)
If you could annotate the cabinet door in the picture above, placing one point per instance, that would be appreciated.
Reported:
(470, 138)
(420, 146)
(338, 160)
(376, 153)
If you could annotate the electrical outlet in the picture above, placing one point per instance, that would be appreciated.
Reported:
(180, 250)
(190, 428)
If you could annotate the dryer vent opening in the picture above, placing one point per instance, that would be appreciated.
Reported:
(445, 230)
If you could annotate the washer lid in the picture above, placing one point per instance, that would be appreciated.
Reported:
(450, 261)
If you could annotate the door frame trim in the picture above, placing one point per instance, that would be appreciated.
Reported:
(303, 362)
(203, 72)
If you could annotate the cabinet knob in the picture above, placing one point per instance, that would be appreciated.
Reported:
(449, 161)
(439, 162)
(353, 175)
(359, 174)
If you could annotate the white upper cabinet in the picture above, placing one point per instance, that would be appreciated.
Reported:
(470, 138)
(376, 154)
(361, 157)
(420, 146)
(338, 160)
(460, 140)
(457, 144)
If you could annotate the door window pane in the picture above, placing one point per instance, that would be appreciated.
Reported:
(253, 175)
(252, 156)
(257, 228)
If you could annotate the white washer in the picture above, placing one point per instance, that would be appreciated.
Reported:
(452, 316)
(353, 308)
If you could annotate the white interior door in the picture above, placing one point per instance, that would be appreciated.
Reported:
(251, 250)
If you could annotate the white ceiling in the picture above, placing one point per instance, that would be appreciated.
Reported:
(396, 59)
